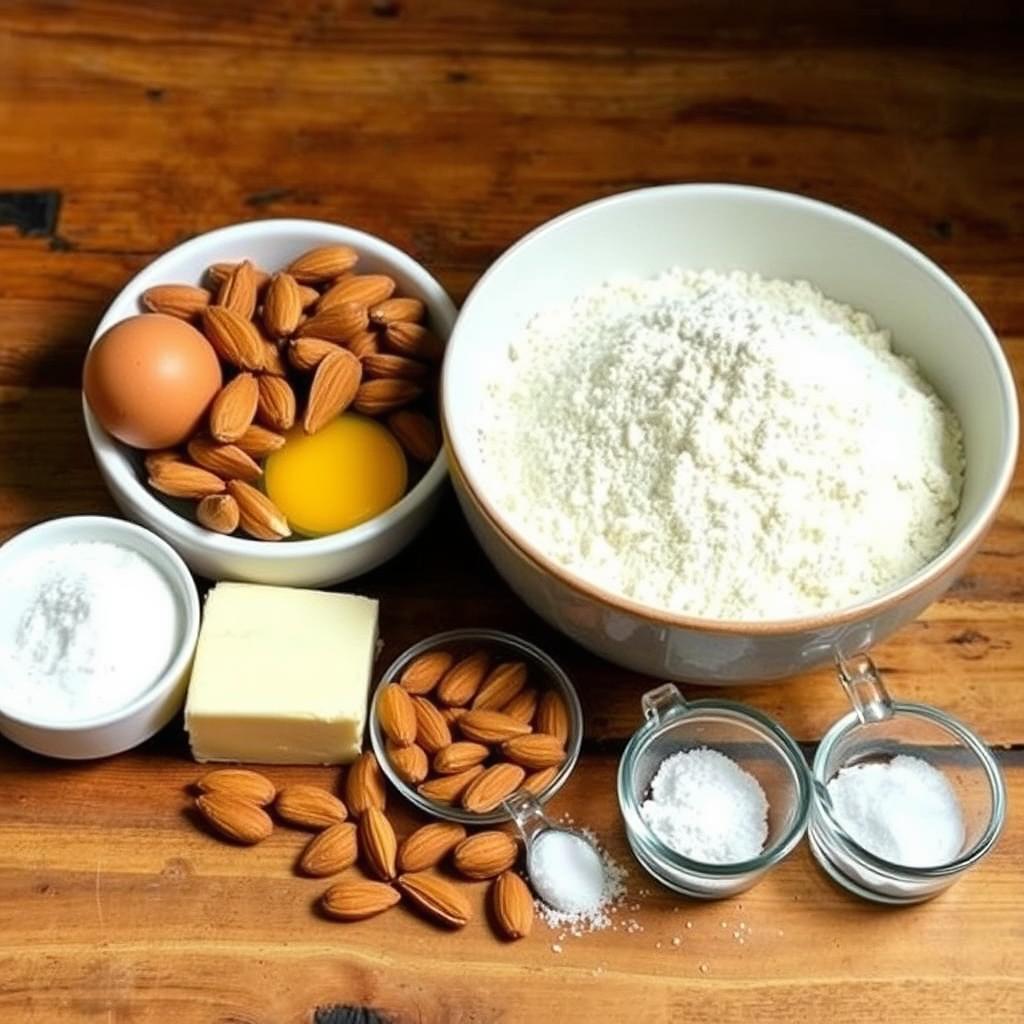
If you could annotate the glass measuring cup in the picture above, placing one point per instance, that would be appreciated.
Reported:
(877, 730)
(756, 743)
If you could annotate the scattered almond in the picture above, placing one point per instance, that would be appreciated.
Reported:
(462, 680)
(335, 385)
(500, 686)
(259, 442)
(457, 757)
(275, 406)
(236, 819)
(485, 855)
(536, 782)
(512, 903)
(218, 512)
(282, 306)
(234, 338)
(487, 791)
(333, 850)
(365, 289)
(307, 353)
(239, 782)
(356, 899)
(233, 409)
(432, 732)
(424, 672)
(535, 751)
(410, 763)
(238, 290)
(323, 263)
(416, 433)
(309, 806)
(523, 706)
(415, 341)
(226, 460)
(397, 716)
(182, 480)
(364, 785)
(429, 845)
(376, 397)
(341, 322)
(180, 300)
(378, 843)
(258, 515)
(491, 726)
(436, 897)
(553, 716)
(449, 788)
(404, 310)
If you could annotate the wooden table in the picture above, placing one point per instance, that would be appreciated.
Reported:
(451, 129)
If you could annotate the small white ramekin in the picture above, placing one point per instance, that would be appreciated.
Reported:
(159, 699)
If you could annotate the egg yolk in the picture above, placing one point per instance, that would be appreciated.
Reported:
(349, 471)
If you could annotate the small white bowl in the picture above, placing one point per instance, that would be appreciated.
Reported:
(160, 700)
(317, 562)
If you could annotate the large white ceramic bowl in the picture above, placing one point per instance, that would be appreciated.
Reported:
(777, 235)
(321, 561)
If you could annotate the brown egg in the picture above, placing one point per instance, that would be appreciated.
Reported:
(150, 379)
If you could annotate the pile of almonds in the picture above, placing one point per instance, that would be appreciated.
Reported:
(511, 735)
(234, 800)
(303, 346)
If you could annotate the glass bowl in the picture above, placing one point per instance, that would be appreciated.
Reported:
(756, 743)
(543, 673)
(877, 730)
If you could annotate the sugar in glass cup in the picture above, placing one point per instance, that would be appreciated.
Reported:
(756, 743)
(877, 730)
(544, 673)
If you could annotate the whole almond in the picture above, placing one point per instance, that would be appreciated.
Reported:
(449, 788)
(257, 514)
(234, 407)
(463, 679)
(397, 716)
(234, 338)
(218, 512)
(282, 306)
(491, 726)
(259, 442)
(553, 715)
(365, 289)
(512, 904)
(333, 850)
(485, 855)
(180, 300)
(309, 807)
(378, 843)
(410, 763)
(436, 897)
(239, 782)
(416, 433)
(487, 791)
(226, 460)
(307, 353)
(457, 757)
(386, 364)
(452, 715)
(218, 273)
(160, 456)
(429, 845)
(523, 706)
(324, 263)
(364, 785)
(340, 323)
(356, 899)
(535, 751)
(238, 290)
(363, 344)
(536, 782)
(308, 296)
(238, 820)
(273, 361)
(404, 310)
(424, 672)
(415, 341)
(275, 406)
(182, 480)
(376, 397)
(502, 683)
(432, 732)
(335, 385)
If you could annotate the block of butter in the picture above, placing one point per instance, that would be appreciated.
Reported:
(281, 676)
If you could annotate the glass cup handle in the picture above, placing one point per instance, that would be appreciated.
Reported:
(863, 685)
(661, 702)
(527, 815)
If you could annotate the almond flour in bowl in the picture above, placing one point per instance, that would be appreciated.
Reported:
(721, 445)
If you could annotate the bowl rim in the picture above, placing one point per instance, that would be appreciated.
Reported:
(613, 602)
(186, 596)
(114, 457)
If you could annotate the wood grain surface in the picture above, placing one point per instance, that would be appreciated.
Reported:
(451, 128)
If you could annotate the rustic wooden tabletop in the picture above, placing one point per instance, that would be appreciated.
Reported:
(451, 129)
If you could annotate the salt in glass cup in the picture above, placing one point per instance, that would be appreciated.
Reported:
(878, 730)
(756, 743)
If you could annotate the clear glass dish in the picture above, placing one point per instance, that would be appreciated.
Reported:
(755, 742)
(544, 672)
(879, 729)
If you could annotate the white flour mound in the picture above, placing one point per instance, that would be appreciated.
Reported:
(721, 445)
